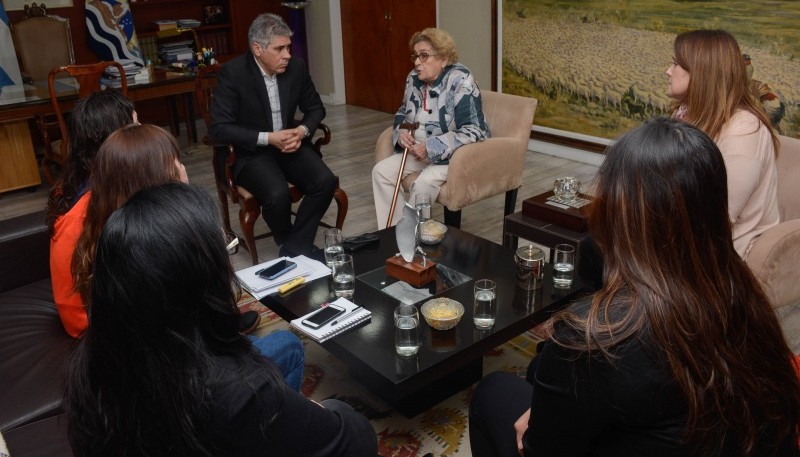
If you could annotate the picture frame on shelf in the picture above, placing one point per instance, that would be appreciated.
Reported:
(213, 14)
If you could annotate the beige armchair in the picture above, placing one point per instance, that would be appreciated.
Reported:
(774, 256)
(485, 169)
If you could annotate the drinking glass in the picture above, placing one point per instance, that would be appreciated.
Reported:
(563, 265)
(406, 330)
(344, 276)
(485, 308)
(333, 245)
(422, 203)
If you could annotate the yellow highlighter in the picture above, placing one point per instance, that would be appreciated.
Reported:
(291, 285)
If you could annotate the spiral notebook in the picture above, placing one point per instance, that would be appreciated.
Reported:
(353, 316)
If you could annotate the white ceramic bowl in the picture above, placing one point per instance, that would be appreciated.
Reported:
(442, 313)
(431, 231)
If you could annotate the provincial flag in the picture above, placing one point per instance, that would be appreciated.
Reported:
(111, 32)
(9, 68)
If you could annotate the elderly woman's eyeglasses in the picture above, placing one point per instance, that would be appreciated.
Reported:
(423, 56)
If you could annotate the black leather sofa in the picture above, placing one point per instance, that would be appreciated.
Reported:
(33, 344)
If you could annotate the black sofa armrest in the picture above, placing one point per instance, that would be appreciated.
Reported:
(25, 248)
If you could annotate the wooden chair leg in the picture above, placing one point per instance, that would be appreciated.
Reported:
(342, 204)
(511, 202)
(223, 209)
(47, 169)
(452, 218)
(248, 219)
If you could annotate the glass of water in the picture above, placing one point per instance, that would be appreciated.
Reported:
(422, 203)
(563, 265)
(485, 309)
(406, 330)
(344, 276)
(333, 245)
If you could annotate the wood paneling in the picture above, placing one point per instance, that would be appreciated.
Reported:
(18, 166)
(375, 38)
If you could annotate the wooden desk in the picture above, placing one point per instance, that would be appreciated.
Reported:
(18, 168)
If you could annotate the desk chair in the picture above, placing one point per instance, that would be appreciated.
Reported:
(88, 78)
(43, 42)
(224, 159)
(482, 170)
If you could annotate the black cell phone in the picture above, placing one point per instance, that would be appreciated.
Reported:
(275, 270)
(323, 316)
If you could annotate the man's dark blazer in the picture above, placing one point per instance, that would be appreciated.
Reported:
(241, 108)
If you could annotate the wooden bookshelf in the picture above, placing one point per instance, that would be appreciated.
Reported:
(217, 35)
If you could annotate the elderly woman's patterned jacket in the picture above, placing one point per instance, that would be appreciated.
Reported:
(457, 113)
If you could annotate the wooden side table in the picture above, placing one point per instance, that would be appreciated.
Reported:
(553, 226)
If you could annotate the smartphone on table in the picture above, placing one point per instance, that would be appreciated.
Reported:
(323, 316)
(277, 269)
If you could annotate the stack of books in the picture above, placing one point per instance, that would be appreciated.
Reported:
(112, 78)
(176, 51)
(165, 24)
(188, 23)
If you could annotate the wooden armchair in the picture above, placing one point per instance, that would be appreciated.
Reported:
(485, 169)
(88, 78)
(773, 256)
(224, 159)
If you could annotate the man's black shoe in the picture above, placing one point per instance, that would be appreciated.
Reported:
(248, 322)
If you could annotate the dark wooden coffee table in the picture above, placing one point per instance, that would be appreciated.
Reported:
(448, 361)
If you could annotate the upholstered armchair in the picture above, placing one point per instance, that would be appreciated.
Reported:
(485, 169)
(774, 256)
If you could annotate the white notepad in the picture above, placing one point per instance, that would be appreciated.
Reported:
(353, 316)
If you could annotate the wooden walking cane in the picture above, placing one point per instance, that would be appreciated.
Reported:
(410, 127)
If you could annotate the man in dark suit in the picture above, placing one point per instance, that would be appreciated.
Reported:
(255, 101)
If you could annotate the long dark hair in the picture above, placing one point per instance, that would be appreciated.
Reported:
(672, 277)
(132, 158)
(91, 122)
(163, 310)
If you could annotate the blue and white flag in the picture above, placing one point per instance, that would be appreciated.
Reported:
(111, 32)
(9, 68)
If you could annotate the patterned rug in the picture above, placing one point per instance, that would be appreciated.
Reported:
(442, 430)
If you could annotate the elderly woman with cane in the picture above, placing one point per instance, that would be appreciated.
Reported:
(441, 112)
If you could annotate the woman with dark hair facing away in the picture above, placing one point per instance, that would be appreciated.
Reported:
(92, 120)
(133, 158)
(679, 353)
(711, 90)
(163, 370)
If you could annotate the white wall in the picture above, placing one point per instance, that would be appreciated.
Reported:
(472, 33)
(325, 55)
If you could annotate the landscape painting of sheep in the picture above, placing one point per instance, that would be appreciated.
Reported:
(598, 67)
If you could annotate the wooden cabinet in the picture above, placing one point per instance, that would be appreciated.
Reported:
(375, 37)
(18, 167)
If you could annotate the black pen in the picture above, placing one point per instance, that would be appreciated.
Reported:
(336, 321)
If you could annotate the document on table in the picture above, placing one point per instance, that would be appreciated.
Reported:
(259, 287)
(406, 293)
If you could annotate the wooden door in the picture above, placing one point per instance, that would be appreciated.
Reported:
(375, 36)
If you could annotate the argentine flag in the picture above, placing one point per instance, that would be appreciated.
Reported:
(9, 68)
